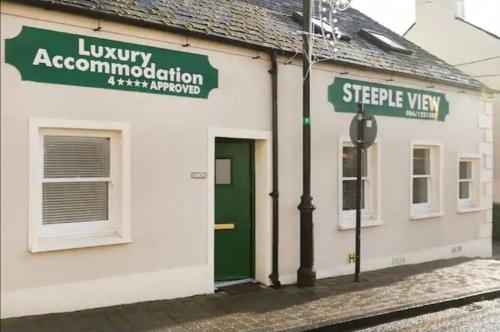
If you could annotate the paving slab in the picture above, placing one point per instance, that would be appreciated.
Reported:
(331, 301)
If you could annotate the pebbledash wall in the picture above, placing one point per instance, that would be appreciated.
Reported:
(166, 251)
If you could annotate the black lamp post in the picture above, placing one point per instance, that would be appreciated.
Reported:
(306, 275)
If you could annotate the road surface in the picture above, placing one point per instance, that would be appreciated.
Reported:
(477, 317)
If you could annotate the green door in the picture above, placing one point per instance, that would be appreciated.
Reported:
(234, 173)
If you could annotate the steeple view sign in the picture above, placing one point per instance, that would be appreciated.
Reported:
(387, 100)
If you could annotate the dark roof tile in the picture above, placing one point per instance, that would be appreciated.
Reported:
(269, 23)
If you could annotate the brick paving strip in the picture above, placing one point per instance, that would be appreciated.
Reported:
(331, 301)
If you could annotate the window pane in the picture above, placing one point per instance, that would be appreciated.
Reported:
(465, 170)
(349, 195)
(76, 156)
(223, 171)
(421, 161)
(420, 191)
(388, 41)
(349, 162)
(464, 190)
(74, 202)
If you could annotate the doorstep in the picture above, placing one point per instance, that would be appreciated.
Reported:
(331, 301)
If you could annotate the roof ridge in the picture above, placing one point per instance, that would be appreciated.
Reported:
(237, 23)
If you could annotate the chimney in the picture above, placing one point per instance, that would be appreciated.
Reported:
(460, 13)
(435, 10)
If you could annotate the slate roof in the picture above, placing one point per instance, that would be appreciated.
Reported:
(268, 24)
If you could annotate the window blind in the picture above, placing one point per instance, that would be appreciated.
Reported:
(65, 202)
(76, 156)
(69, 160)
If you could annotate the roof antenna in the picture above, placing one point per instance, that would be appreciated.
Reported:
(324, 29)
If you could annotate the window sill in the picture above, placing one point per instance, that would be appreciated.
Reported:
(347, 224)
(426, 215)
(469, 209)
(73, 242)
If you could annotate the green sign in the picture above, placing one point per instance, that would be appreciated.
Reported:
(63, 58)
(387, 100)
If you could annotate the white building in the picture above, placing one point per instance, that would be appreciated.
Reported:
(137, 151)
(442, 29)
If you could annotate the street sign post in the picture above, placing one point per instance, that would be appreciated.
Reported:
(370, 128)
(363, 131)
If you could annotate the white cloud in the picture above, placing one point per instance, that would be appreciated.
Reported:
(399, 15)
(483, 13)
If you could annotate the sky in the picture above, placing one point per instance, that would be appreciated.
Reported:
(399, 15)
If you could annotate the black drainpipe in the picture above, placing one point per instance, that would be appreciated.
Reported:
(275, 193)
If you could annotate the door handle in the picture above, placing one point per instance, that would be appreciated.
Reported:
(219, 227)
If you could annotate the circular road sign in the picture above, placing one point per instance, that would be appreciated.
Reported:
(370, 130)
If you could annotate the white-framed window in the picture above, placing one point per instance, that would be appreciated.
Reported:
(422, 177)
(79, 184)
(468, 190)
(426, 179)
(347, 185)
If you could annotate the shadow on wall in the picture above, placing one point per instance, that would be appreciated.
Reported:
(496, 250)
(496, 222)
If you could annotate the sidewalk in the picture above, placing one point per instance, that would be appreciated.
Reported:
(331, 301)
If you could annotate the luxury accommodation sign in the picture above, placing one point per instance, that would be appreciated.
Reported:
(55, 57)
(387, 100)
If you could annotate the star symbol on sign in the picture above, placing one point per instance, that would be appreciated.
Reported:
(144, 84)
(137, 83)
(129, 82)
(120, 81)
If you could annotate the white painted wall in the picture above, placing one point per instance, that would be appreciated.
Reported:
(496, 148)
(169, 210)
(438, 31)
(460, 133)
(171, 213)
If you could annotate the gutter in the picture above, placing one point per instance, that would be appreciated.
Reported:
(275, 193)
(99, 14)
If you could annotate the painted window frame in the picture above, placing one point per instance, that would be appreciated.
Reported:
(117, 228)
(370, 215)
(434, 206)
(474, 202)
